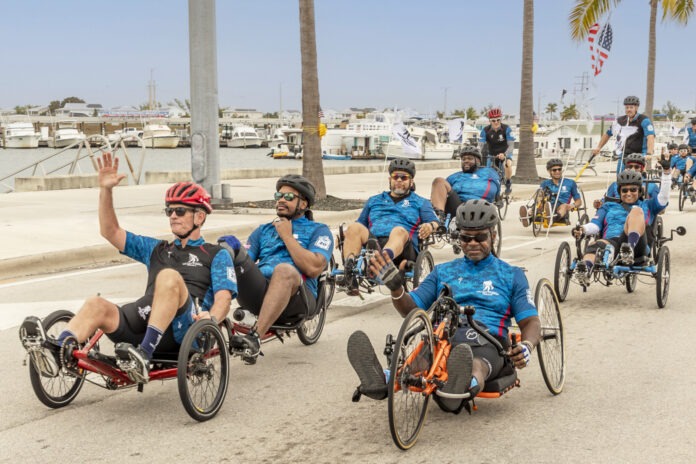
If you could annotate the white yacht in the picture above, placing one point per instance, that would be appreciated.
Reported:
(125, 134)
(65, 134)
(244, 137)
(429, 142)
(21, 135)
(159, 136)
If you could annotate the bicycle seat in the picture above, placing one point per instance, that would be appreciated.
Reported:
(501, 384)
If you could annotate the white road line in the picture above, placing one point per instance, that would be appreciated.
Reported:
(65, 275)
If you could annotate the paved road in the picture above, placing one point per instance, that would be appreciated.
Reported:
(628, 394)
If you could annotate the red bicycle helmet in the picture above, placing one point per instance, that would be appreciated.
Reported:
(495, 113)
(189, 193)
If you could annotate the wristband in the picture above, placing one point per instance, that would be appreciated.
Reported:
(403, 292)
(528, 344)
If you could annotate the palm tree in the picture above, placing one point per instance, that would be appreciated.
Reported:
(312, 166)
(526, 167)
(471, 113)
(570, 112)
(551, 108)
(587, 12)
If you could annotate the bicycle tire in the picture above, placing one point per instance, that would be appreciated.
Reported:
(203, 360)
(56, 392)
(497, 245)
(424, 266)
(551, 349)
(561, 273)
(682, 196)
(311, 329)
(631, 281)
(662, 277)
(407, 408)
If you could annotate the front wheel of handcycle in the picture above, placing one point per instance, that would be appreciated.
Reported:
(561, 274)
(551, 346)
(59, 391)
(682, 196)
(423, 266)
(498, 242)
(662, 276)
(503, 203)
(630, 281)
(203, 370)
(411, 360)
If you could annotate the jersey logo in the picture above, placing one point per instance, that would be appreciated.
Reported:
(406, 204)
(323, 242)
(193, 261)
(474, 176)
(488, 289)
(231, 276)
(530, 299)
(143, 312)
(500, 138)
(650, 127)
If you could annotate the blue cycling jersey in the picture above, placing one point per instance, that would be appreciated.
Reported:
(266, 246)
(482, 183)
(680, 163)
(222, 276)
(381, 214)
(563, 192)
(611, 216)
(690, 137)
(496, 289)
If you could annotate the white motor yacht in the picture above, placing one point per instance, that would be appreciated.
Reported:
(125, 134)
(244, 137)
(21, 135)
(65, 134)
(430, 146)
(159, 136)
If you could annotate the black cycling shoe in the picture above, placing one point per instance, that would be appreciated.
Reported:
(362, 357)
(582, 274)
(626, 254)
(133, 361)
(44, 352)
(350, 281)
(248, 346)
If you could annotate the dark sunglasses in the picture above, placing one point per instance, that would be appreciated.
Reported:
(179, 210)
(630, 189)
(287, 196)
(556, 169)
(400, 176)
(634, 166)
(480, 238)
(495, 120)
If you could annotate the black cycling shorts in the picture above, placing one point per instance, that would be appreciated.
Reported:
(639, 251)
(133, 319)
(452, 203)
(253, 285)
(481, 348)
(409, 253)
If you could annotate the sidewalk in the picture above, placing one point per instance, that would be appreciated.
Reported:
(56, 230)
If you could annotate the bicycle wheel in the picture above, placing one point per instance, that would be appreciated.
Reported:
(551, 347)
(202, 370)
(631, 280)
(562, 273)
(311, 329)
(59, 391)
(659, 228)
(537, 214)
(662, 276)
(584, 219)
(424, 266)
(502, 205)
(682, 196)
(412, 358)
(497, 246)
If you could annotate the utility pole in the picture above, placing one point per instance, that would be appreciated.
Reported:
(539, 105)
(444, 113)
(205, 156)
(151, 92)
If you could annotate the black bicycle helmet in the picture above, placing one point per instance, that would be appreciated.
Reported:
(672, 146)
(683, 146)
(470, 150)
(634, 158)
(554, 162)
(632, 100)
(477, 214)
(403, 164)
(629, 177)
(299, 183)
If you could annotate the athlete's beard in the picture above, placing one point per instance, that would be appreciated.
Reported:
(470, 168)
(399, 192)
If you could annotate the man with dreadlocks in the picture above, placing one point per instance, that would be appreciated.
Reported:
(180, 272)
(279, 267)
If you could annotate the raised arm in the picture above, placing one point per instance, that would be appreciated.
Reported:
(108, 222)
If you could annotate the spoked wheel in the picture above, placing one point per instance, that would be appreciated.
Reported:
(412, 357)
(498, 243)
(659, 228)
(682, 196)
(551, 346)
(503, 204)
(537, 215)
(424, 266)
(584, 219)
(202, 371)
(630, 281)
(561, 273)
(662, 276)
(311, 329)
(59, 391)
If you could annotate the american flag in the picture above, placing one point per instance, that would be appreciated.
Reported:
(321, 113)
(600, 50)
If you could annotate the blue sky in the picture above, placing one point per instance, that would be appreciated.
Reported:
(379, 53)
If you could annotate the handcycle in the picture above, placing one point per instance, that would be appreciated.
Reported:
(417, 360)
(415, 272)
(447, 234)
(200, 367)
(686, 191)
(609, 270)
(308, 327)
(541, 209)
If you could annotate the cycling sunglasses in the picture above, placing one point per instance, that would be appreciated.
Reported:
(556, 169)
(287, 196)
(634, 166)
(629, 189)
(396, 176)
(480, 238)
(180, 211)
(495, 120)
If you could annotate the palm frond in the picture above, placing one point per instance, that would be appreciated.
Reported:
(679, 11)
(585, 13)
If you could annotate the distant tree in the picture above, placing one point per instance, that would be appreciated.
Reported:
(95, 113)
(71, 100)
(471, 113)
(21, 109)
(551, 108)
(271, 115)
(53, 106)
(671, 110)
(439, 114)
(570, 112)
